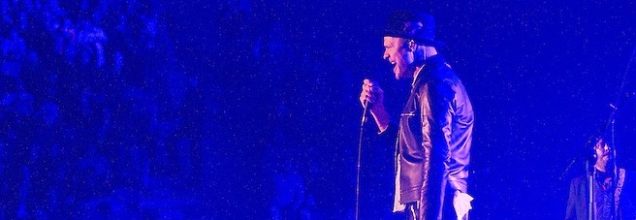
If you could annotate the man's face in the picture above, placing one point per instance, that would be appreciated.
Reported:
(397, 52)
(602, 150)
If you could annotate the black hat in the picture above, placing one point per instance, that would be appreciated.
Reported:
(419, 27)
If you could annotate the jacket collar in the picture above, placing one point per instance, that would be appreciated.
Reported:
(430, 62)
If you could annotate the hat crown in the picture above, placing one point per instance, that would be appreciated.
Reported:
(417, 26)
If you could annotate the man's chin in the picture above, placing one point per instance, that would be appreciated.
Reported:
(402, 73)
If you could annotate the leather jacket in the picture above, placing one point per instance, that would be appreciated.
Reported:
(434, 139)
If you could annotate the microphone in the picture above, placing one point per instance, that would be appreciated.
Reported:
(365, 111)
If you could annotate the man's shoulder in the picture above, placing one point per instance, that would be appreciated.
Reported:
(444, 79)
(578, 180)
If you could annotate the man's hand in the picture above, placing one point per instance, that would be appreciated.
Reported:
(373, 95)
(461, 203)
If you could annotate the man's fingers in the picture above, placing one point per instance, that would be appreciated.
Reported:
(368, 97)
(370, 92)
(374, 91)
(371, 88)
(364, 96)
(367, 82)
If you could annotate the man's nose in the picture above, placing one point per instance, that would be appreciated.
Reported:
(605, 148)
(385, 56)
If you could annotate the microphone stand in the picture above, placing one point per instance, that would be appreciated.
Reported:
(364, 120)
(591, 205)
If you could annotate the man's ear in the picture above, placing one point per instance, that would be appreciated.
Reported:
(412, 45)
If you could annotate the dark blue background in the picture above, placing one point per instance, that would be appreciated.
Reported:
(249, 109)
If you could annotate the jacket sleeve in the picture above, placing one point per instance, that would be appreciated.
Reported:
(620, 183)
(570, 210)
(390, 132)
(450, 120)
(436, 118)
